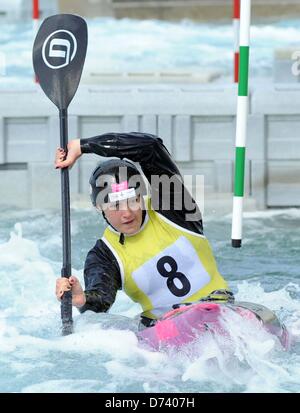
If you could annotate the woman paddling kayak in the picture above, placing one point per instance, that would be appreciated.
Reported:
(153, 247)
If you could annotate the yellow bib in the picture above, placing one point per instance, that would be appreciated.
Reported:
(164, 264)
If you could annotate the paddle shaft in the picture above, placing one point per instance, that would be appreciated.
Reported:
(66, 304)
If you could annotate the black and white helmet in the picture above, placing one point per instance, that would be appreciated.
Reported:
(115, 180)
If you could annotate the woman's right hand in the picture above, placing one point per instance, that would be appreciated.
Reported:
(66, 284)
(63, 159)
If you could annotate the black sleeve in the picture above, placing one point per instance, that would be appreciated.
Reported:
(102, 279)
(146, 149)
(173, 201)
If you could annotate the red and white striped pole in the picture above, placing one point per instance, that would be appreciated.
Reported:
(35, 19)
(236, 29)
(35, 14)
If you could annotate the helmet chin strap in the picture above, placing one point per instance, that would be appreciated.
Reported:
(122, 237)
(105, 219)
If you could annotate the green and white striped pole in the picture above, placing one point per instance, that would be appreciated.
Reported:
(241, 125)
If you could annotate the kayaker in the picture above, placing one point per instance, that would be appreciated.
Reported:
(153, 247)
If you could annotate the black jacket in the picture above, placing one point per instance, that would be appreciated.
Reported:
(101, 271)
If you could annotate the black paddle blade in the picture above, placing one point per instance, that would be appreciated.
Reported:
(59, 52)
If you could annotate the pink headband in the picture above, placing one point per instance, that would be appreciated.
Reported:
(119, 187)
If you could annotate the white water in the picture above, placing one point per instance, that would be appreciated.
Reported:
(133, 45)
(103, 354)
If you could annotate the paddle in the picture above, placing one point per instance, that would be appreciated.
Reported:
(59, 52)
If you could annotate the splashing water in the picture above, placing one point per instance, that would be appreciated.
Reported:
(103, 354)
(126, 45)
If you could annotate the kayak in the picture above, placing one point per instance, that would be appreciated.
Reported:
(185, 324)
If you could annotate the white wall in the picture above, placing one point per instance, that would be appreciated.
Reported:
(197, 124)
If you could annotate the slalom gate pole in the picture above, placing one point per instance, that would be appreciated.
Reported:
(35, 15)
(236, 32)
(241, 125)
(35, 24)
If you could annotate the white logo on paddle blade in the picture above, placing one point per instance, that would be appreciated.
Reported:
(59, 49)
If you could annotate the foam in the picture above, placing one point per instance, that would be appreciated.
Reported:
(69, 386)
(155, 45)
(103, 353)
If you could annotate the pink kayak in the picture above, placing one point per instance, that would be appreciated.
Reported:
(183, 325)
